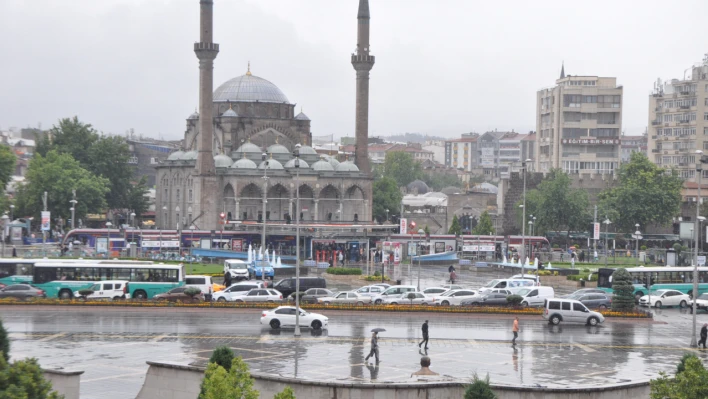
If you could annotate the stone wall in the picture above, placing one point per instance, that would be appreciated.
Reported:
(174, 381)
(66, 383)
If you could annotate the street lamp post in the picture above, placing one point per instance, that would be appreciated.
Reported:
(132, 220)
(420, 242)
(191, 242)
(4, 226)
(523, 218)
(607, 229)
(12, 212)
(386, 215)
(164, 220)
(108, 238)
(699, 172)
(637, 234)
(264, 158)
(73, 207)
(297, 240)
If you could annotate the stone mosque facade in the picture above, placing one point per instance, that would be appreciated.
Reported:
(221, 167)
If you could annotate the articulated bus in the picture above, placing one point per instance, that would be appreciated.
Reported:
(62, 279)
(657, 278)
(16, 270)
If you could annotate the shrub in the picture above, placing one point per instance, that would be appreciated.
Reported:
(222, 355)
(85, 292)
(586, 270)
(692, 382)
(479, 389)
(643, 247)
(376, 278)
(544, 272)
(377, 273)
(623, 289)
(235, 383)
(348, 271)
(555, 246)
(287, 393)
(514, 300)
(192, 292)
(24, 379)
(4, 343)
(682, 363)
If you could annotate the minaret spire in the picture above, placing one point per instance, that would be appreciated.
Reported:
(562, 69)
(362, 62)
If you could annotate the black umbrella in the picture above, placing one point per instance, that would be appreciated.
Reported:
(378, 330)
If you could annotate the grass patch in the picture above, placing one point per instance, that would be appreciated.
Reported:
(346, 271)
(199, 268)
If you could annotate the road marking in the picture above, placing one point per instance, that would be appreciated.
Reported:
(159, 338)
(112, 377)
(584, 347)
(51, 337)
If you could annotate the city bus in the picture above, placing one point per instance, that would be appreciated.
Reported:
(16, 270)
(62, 279)
(657, 278)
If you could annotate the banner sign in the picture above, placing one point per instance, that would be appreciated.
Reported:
(159, 244)
(404, 226)
(596, 231)
(46, 215)
(591, 141)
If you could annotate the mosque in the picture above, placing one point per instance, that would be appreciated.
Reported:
(246, 140)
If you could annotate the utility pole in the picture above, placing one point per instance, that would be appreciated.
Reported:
(594, 223)
(44, 232)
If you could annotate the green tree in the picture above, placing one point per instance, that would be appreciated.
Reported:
(623, 290)
(691, 383)
(4, 342)
(70, 136)
(233, 384)
(484, 226)
(287, 393)
(479, 389)
(386, 196)
(138, 201)
(58, 174)
(24, 380)
(455, 227)
(108, 157)
(222, 356)
(7, 165)
(401, 167)
(646, 194)
(556, 205)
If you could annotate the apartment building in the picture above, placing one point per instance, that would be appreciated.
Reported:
(632, 144)
(578, 125)
(462, 153)
(678, 121)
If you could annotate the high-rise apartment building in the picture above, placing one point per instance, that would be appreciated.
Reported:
(578, 125)
(678, 121)
(462, 153)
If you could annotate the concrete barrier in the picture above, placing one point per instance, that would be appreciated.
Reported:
(176, 381)
(66, 383)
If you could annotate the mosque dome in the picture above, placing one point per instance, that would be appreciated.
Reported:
(323, 165)
(418, 186)
(249, 88)
(332, 161)
(249, 147)
(244, 163)
(291, 164)
(273, 164)
(230, 113)
(222, 161)
(190, 155)
(302, 117)
(195, 115)
(307, 150)
(175, 156)
(347, 166)
(278, 149)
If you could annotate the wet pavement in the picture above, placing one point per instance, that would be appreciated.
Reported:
(112, 345)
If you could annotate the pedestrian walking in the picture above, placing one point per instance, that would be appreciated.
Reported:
(341, 258)
(14, 252)
(704, 335)
(451, 269)
(424, 328)
(453, 276)
(227, 279)
(374, 347)
(515, 330)
(572, 260)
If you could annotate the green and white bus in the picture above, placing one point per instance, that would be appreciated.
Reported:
(657, 278)
(16, 270)
(62, 279)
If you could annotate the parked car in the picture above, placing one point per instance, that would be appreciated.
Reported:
(217, 287)
(701, 303)
(236, 290)
(584, 291)
(260, 267)
(204, 283)
(22, 291)
(559, 310)
(285, 316)
(534, 296)
(110, 289)
(370, 290)
(238, 269)
(452, 286)
(488, 299)
(595, 301)
(434, 291)
(311, 295)
(531, 277)
(394, 290)
(178, 295)
(261, 295)
(383, 285)
(287, 285)
(507, 284)
(345, 297)
(665, 298)
(2, 286)
(453, 297)
(403, 299)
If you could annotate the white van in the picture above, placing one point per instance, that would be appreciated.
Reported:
(393, 290)
(507, 283)
(237, 290)
(571, 311)
(534, 296)
(202, 282)
(109, 289)
(237, 268)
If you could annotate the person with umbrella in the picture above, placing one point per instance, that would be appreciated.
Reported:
(374, 344)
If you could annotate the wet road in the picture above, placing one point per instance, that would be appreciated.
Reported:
(112, 345)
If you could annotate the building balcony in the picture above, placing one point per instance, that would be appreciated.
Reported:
(685, 93)
(656, 150)
(654, 123)
(685, 107)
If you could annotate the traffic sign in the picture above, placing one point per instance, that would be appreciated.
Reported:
(701, 260)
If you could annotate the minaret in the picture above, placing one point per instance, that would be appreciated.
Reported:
(206, 52)
(362, 62)
(562, 70)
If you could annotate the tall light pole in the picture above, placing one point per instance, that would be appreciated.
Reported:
(386, 215)
(73, 207)
(699, 172)
(637, 235)
(4, 226)
(607, 229)
(420, 242)
(108, 238)
(132, 220)
(12, 212)
(191, 242)
(264, 158)
(523, 218)
(297, 240)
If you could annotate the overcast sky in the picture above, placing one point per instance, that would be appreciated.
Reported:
(443, 67)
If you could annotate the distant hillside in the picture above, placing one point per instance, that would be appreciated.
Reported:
(412, 138)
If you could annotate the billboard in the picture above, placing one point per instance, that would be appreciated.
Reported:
(685, 233)
(486, 158)
(404, 226)
(46, 215)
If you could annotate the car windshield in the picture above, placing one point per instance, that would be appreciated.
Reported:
(447, 293)
(660, 292)
(523, 292)
(703, 296)
(237, 266)
(492, 283)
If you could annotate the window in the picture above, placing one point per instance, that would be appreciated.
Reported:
(554, 305)
(178, 195)
(153, 160)
(572, 100)
(578, 307)
(566, 305)
(705, 116)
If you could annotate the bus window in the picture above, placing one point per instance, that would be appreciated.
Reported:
(45, 274)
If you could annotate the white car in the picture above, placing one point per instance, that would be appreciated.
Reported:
(434, 291)
(403, 299)
(453, 297)
(261, 295)
(370, 290)
(665, 298)
(236, 291)
(452, 286)
(285, 316)
(701, 303)
(345, 297)
(112, 289)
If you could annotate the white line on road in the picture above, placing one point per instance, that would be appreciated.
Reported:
(585, 347)
(51, 337)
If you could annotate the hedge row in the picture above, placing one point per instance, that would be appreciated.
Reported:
(348, 271)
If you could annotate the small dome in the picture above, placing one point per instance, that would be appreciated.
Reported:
(332, 161)
(302, 117)
(190, 155)
(230, 113)
(222, 161)
(175, 156)
(278, 149)
(347, 166)
(291, 164)
(272, 164)
(249, 147)
(417, 186)
(322, 165)
(244, 163)
(451, 190)
(307, 150)
(195, 115)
